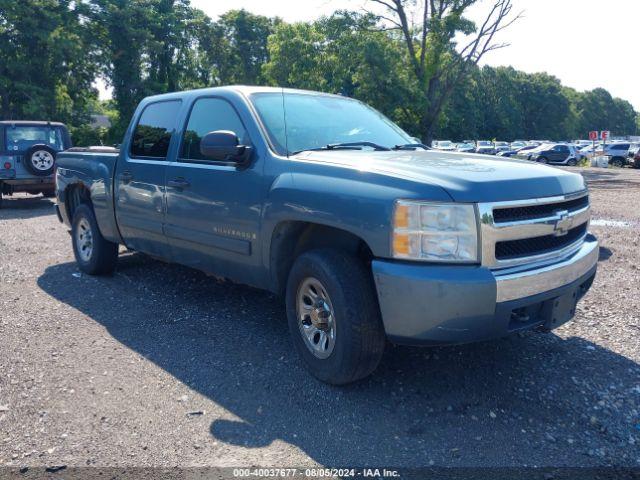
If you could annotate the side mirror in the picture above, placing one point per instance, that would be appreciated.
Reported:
(223, 146)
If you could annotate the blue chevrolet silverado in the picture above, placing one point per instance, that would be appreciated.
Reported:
(366, 234)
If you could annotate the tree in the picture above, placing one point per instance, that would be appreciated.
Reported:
(47, 60)
(436, 60)
(150, 47)
(343, 54)
(244, 46)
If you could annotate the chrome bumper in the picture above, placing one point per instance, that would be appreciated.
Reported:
(513, 286)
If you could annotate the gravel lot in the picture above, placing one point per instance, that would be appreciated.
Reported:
(161, 365)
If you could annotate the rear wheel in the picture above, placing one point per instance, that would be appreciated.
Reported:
(333, 315)
(572, 162)
(95, 255)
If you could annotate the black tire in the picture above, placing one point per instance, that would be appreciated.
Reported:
(359, 332)
(103, 256)
(617, 162)
(38, 160)
(572, 162)
(543, 160)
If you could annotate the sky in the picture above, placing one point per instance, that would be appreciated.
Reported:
(585, 43)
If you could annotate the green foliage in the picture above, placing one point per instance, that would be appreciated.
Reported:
(507, 104)
(47, 60)
(51, 52)
(86, 135)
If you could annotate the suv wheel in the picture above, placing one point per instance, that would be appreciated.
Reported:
(40, 160)
(617, 162)
(94, 254)
(333, 315)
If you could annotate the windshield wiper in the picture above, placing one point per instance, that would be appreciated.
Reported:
(411, 146)
(345, 146)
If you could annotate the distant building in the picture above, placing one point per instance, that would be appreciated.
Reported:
(100, 121)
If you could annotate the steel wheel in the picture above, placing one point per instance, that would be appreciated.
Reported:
(316, 318)
(42, 160)
(84, 239)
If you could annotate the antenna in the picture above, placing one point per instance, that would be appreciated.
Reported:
(284, 113)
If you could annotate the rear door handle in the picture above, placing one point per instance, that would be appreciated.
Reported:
(125, 177)
(179, 183)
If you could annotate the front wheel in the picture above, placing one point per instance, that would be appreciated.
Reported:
(572, 162)
(95, 255)
(333, 315)
(617, 162)
(543, 160)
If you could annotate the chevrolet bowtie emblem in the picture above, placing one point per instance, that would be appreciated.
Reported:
(563, 224)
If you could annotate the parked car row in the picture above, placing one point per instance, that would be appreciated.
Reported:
(486, 147)
(620, 153)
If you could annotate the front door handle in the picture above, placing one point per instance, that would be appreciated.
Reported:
(179, 183)
(125, 177)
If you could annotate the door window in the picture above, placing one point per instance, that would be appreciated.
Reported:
(152, 135)
(209, 115)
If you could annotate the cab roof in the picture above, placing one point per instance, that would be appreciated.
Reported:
(245, 90)
(33, 123)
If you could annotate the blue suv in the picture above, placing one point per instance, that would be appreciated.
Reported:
(28, 151)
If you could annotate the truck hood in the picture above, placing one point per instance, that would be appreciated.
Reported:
(465, 177)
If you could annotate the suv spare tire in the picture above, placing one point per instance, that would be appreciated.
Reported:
(40, 160)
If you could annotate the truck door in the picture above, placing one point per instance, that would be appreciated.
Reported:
(214, 208)
(140, 176)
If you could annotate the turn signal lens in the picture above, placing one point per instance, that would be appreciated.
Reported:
(401, 243)
(401, 218)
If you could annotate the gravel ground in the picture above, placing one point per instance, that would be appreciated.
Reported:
(161, 365)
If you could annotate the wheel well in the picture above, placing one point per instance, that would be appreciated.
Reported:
(76, 195)
(291, 239)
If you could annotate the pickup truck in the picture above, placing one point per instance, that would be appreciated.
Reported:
(28, 152)
(366, 234)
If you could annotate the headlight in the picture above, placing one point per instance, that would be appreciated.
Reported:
(434, 232)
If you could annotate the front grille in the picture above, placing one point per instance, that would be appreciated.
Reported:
(516, 214)
(527, 247)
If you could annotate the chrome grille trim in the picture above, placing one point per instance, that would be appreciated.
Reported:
(492, 232)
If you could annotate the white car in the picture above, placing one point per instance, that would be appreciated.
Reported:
(446, 145)
(466, 147)
(618, 151)
(501, 147)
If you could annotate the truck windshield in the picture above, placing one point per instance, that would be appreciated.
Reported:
(22, 137)
(296, 122)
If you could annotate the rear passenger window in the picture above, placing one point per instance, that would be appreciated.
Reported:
(209, 115)
(152, 135)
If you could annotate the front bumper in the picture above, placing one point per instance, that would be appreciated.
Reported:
(429, 304)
